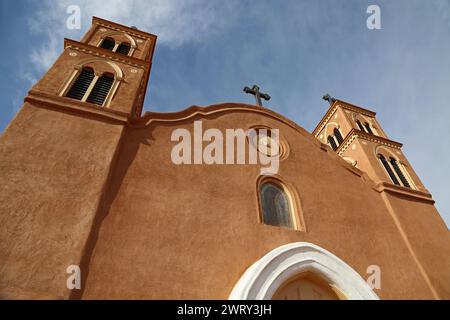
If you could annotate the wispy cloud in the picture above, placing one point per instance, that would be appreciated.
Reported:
(176, 22)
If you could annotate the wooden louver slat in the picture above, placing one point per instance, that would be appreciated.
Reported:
(80, 85)
(387, 167)
(399, 173)
(101, 89)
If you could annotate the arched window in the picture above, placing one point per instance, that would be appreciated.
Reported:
(123, 48)
(388, 169)
(399, 173)
(91, 88)
(337, 134)
(332, 143)
(80, 86)
(108, 44)
(368, 128)
(275, 205)
(101, 89)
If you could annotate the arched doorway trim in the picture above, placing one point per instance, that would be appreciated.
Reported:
(262, 279)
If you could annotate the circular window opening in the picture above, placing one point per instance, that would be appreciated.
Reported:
(267, 141)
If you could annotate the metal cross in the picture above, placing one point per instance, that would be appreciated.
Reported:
(258, 95)
(329, 98)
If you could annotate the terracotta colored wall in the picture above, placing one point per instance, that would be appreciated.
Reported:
(57, 76)
(428, 236)
(53, 167)
(365, 154)
(340, 118)
(191, 231)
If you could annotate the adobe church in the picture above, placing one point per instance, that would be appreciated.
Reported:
(91, 197)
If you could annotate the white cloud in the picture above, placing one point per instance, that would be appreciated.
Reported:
(43, 57)
(176, 22)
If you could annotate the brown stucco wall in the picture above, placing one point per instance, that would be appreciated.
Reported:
(79, 189)
(365, 154)
(427, 234)
(190, 231)
(53, 168)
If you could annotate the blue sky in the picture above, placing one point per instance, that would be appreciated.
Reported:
(296, 51)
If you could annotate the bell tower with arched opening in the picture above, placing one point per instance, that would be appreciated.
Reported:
(356, 136)
(107, 71)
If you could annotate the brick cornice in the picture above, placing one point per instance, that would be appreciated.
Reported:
(43, 99)
(355, 133)
(324, 120)
(119, 27)
(104, 53)
(403, 191)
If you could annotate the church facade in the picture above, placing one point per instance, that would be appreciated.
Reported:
(91, 196)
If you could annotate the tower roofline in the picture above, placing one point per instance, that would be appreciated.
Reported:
(108, 54)
(344, 105)
(355, 133)
(121, 27)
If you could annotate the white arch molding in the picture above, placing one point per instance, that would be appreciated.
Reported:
(118, 78)
(262, 279)
(114, 33)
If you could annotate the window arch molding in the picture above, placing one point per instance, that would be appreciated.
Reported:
(293, 200)
(100, 64)
(100, 67)
(363, 120)
(380, 149)
(329, 133)
(119, 37)
(264, 277)
(329, 128)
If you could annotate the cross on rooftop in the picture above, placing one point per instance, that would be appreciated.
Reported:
(258, 95)
(329, 98)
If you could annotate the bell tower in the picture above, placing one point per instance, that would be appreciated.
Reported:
(355, 135)
(58, 154)
(107, 71)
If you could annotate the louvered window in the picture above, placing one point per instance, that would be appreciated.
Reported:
(332, 143)
(399, 173)
(337, 134)
(388, 168)
(368, 128)
(81, 85)
(101, 89)
(360, 126)
(108, 43)
(123, 48)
